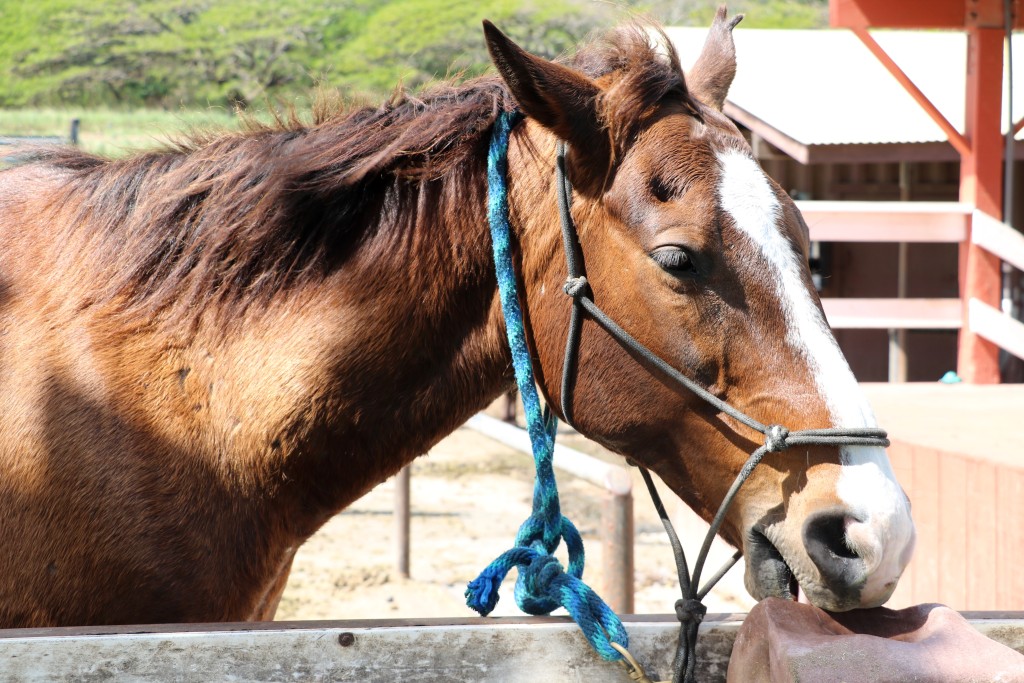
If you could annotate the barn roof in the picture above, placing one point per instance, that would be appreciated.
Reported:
(820, 95)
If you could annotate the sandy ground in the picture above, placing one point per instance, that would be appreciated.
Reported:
(469, 495)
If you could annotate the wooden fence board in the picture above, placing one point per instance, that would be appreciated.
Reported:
(1010, 536)
(982, 549)
(927, 519)
(901, 458)
(952, 555)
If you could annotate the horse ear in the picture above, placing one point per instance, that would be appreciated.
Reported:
(712, 74)
(559, 98)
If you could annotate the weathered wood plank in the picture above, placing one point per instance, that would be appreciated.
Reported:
(512, 650)
(953, 516)
(491, 650)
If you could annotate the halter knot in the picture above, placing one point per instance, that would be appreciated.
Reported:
(689, 610)
(775, 438)
(576, 286)
(538, 587)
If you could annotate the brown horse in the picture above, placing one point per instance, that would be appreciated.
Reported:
(207, 351)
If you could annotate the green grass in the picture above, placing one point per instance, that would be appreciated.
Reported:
(111, 132)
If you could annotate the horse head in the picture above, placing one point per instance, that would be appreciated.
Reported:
(690, 247)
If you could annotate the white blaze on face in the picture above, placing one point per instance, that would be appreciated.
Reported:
(866, 483)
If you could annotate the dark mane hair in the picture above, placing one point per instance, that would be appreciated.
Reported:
(240, 216)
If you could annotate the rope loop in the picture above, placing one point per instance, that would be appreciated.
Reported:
(775, 438)
(544, 585)
(690, 610)
(576, 287)
(539, 533)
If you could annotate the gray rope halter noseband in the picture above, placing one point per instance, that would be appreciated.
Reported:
(689, 609)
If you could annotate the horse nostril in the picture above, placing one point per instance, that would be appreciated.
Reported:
(826, 543)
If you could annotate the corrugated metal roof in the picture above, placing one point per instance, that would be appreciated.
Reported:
(823, 87)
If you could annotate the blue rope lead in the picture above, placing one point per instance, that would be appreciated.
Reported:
(543, 584)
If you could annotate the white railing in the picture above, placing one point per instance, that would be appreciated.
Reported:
(841, 221)
(885, 314)
(948, 222)
(986, 321)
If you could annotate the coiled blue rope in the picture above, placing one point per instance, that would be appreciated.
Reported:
(543, 584)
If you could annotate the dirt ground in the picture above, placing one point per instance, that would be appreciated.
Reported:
(468, 497)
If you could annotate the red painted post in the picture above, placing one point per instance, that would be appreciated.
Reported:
(981, 185)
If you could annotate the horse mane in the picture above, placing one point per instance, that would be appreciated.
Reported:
(237, 217)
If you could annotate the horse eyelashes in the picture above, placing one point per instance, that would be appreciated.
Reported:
(660, 190)
(674, 260)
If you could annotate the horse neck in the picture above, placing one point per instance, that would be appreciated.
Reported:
(369, 368)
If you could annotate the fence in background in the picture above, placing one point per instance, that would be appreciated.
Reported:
(616, 512)
(908, 222)
(12, 140)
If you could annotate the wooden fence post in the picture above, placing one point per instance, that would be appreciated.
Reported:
(617, 551)
(402, 521)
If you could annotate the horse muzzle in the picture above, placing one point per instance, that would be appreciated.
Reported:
(838, 560)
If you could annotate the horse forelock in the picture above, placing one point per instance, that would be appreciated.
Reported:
(643, 72)
(238, 217)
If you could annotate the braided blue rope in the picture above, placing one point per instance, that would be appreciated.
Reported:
(543, 584)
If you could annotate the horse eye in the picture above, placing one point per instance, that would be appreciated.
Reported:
(674, 260)
(660, 190)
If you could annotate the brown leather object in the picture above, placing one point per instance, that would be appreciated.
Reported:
(783, 641)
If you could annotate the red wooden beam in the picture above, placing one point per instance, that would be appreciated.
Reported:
(889, 14)
(919, 14)
(955, 138)
(981, 176)
(980, 146)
